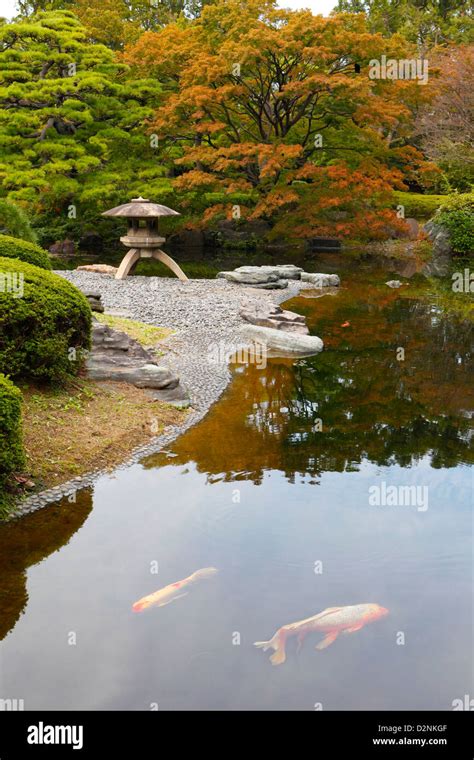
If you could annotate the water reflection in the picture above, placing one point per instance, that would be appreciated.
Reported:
(27, 542)
(281, 508)
(394, 387)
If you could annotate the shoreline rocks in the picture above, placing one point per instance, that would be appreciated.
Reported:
(441, 257)
(98, 269)
(281, 343)
(95, 301)
(117, 357)
(271, 315)
(277, 276)
(204, 316)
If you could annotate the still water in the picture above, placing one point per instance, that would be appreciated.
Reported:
(273, 489)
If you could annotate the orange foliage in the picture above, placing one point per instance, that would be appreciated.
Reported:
(248, 88)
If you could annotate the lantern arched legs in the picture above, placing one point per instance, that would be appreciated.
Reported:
(135, 254)
(170, 263)
(128, 262)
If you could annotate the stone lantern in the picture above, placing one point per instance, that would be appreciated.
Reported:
(143, 237)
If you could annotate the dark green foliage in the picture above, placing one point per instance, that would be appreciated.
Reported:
(11, 449)
(457, 215)
(72, 126)
(13, 248)
(41, 323)
(15, 222)
(425, 22)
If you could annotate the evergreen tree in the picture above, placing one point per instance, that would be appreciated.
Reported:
(425, 22)
(71, 124)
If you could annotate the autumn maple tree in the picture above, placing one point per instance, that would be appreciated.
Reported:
(265, 115)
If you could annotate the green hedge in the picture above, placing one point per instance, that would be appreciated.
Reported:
(457, 215)
(42, 317)
(417, 205)
(12, 458)
(14, 248)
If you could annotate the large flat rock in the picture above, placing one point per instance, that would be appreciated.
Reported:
(270, 315)
(280, 271)
(281, 343)
(145, 376)
(118, 357)
(249, 277)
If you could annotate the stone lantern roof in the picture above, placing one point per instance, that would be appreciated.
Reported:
(141, 208)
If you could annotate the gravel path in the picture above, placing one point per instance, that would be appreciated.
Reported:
(204, 315)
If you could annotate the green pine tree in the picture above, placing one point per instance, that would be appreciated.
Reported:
(72, 125)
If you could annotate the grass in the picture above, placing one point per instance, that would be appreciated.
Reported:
(148, 336)
(421, 207)
(87, 426)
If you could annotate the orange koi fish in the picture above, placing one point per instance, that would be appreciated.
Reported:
(331, 621)
(172, 591)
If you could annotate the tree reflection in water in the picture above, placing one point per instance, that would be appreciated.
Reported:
(28, 541)
(372, 405)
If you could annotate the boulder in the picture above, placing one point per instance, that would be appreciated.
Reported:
(273, 285)
(442, 250)
(270, 315)
(116, 344)
(281, 271)
(281, 343)
(63, 248)
(97, 268)
(118, 357)
(413, 228)
(393, 283)
(176, 396)
(95, 301)
(321, 280)
(145, 376)
(255, 277)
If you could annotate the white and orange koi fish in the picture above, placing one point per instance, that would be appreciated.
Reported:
(172, 591)
(331, 621)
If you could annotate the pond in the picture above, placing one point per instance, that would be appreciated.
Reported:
(274, 488)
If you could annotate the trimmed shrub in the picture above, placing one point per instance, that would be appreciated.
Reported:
(14, 248)
(11, 450)
(14, 221)
(419, 206)
(457, 215)
(42, 318)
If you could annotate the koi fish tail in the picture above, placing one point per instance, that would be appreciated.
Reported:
(206, 572)
(278, 644)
